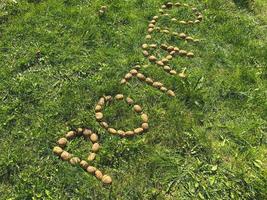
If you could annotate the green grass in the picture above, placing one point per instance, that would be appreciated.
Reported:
(57, 57)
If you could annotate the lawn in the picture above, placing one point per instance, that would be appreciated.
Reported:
(58, 57)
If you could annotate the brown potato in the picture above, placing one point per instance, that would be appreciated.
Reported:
(112, 131)
(57, 150)
(62, 142)
(101, 101)
(98, 174)
(173, 72)
(75, 160)
(98, 108)
(171, 93)
(133, 72)
(65, 156)
(129, 100)
(119, 97)
(144, 117)
(145, 126)
(104, 125)
(106, 179)
(141, 76)
(128, 76)
(70, 134)
(95, 147)
(94, 137)
(91, 157)
(91, 169)
(138, 130)
(149, 80)
(84, 164)
(157, 84)
(152, 58)
(87, 132)
(137, 108)
(99, 116)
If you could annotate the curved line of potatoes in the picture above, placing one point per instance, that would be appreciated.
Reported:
(172, 52)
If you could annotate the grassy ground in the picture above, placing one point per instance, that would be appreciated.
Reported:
(58, 57)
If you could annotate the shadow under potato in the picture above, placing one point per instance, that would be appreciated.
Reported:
(246, 4)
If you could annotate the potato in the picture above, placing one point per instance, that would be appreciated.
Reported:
(144, 117)
(98, 174)
(141, 76)
(164, 46)
(145, 53)
(153, 46)
(149, 80)
(94, 137)
(152, 58)
(163, 89)
(65, 156)
(57, 150)
(119, 97)
(173, 72)
(170, 48)
(165, 60)
(104, 125)
(157, 84)
(106, 179)
(148, 36)
(79, 131)
(171, 93)
(70, 134)
(91, 169)
(84, 164)
(145, 126)
(91, 157)
(112, 131)
(101, 101)
(95, 147)
(144, 46)
(189, 38)
(99, 116)
(128, 76)
(62, 142)
(121, 132)
(169, 57)
(190, 54)
(160, 63)
(150, 30)
(182, 52)
(123, 81)
(104, 8)
(182, 35)
(129, 133)
(138, 130)
(137, 108)
(167, 68)
(129, 100)
(98, 108)
(133, 72)
(151, 25)
(108, 98)
(87, 132)
(75, 160)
